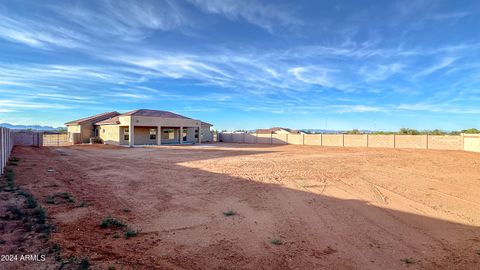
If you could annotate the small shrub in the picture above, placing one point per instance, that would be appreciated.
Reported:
(126, 210)
(130, 233)
(81, 204)
(14, 159)
(276, 242)
(408, 261)
(31, 201)
(50, 200)
(111, 268)
(229, 213)
(40, 214)
(111, 222)
(16, 213)
(84, 264)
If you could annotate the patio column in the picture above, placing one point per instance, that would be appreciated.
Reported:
(131, 134)
(181, 135)
(199, 134)
(159, 135)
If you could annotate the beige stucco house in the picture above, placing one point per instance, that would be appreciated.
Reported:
(139, 127)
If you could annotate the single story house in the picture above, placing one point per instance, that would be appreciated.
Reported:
(277, 130)
(139, 127)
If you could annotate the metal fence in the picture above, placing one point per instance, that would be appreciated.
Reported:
(59, 139)
(6, 145)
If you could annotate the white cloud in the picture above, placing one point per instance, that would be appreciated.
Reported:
(436, 67)
(255, 12)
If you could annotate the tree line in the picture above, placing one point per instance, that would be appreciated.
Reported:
(411, 131)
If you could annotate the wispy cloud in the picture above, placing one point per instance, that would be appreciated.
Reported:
(436, 67)
(255, 12)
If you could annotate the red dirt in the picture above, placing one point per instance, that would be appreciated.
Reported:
(335, 208)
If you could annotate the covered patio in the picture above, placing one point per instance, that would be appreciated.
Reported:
(150, 135)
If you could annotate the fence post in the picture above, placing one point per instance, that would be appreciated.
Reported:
(427, 141)
(244, 137)
(1, 150)
(287, 138)
(367, 140)
(303, 139)
(394, 143)
(58, 139)
(271, 138)
(343, 140)
(321, 139)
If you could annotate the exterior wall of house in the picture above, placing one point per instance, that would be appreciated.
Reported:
(206, 134)
(123, 131)
(109, 134)
(142, 136)
(173, 139)
(85, 132)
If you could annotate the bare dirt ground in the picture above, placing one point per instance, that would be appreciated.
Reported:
(325, 208)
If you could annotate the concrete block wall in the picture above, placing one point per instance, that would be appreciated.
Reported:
(411, 141)
(445, 142)
(351, 140)
(27, 138)
(332, 139)
(468, 142)
(264, 138)
(250, 138)
(295, 139)
(382, 141)
(312, 139)
(280, 138)
(6, 146)
(471, 142)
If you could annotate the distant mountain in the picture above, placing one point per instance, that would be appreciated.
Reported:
(24, 127)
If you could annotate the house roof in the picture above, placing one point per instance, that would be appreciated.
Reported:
(206, 124)
(111, 121)
(144, 112)
(153, 113)
(275, 129)
(93, 119)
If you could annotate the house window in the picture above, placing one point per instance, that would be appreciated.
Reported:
(196, 133)
(168, 134)
(153, 134)
(125, 134)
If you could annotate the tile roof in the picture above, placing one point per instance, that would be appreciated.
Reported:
(93, 119)
(154, 113)
(111, 121)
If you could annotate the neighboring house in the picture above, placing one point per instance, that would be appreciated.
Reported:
(140, 127)
(277, 130)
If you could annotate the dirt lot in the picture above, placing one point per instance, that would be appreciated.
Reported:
(333, 208)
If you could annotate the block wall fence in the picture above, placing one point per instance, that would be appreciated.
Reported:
(467, 142)
(6, 146)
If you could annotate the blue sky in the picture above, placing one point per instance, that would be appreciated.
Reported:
(244, 64)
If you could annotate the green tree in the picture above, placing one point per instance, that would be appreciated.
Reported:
(471, 131)
(408, 131)
(353, 131)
